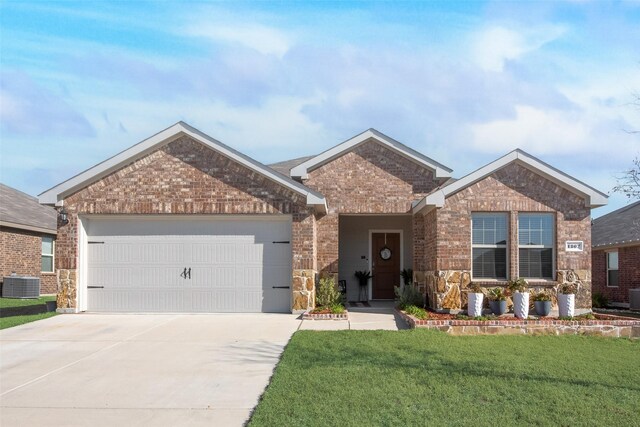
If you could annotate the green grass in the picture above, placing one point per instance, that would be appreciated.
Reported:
(9, 322)
(14, 302)
(423, 377)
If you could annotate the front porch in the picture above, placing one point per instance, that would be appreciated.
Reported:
(380, 244)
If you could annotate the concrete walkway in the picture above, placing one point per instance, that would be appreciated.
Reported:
(135, 370)
(380, 315)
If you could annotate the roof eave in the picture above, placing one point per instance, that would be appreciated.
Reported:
(302, 170)
(56, 194)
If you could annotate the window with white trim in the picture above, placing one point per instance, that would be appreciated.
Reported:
(536, 237)
(489, 245)
(612, 269)
(47, 255)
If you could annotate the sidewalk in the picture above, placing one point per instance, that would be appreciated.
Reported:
(379, 315)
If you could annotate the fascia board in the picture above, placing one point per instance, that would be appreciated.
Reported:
(57, 193)
(302, 170)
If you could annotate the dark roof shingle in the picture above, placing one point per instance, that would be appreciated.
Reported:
(621, 226)
(23, 211)
(285, 166)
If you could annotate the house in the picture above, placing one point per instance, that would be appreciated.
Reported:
(181, 222)
(27, 238)
(616, 253)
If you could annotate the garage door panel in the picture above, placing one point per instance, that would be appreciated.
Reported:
(234, 265)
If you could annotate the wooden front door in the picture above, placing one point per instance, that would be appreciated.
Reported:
(385, 264)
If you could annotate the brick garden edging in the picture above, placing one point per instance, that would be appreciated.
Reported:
(325, 316)
(607, 328)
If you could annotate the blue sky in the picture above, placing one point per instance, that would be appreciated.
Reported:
(464, 83)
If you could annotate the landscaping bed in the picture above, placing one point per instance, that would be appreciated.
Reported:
(591, 324)
(425, 377)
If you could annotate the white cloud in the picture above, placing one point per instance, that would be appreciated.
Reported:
(534, 130)
(265, 40)
(493, 46)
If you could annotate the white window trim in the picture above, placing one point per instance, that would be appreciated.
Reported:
(483, 246)
(52, 255)
(608, 269)
(552, 247)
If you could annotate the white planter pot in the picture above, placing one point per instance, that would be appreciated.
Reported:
(475, 305)
(566, 305)
(521, 304)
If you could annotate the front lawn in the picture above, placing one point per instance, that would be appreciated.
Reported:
(423, 377)
(17, 302)
(27, 310)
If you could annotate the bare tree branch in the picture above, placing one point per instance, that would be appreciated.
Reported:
(629, 181)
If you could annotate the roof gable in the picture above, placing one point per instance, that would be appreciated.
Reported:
(20, 210)
(593, 198)
(620, 227)
(59, 192)
(302, 170)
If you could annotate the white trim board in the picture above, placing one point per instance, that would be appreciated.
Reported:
(302, 170)
(593, 198)
(56, 194)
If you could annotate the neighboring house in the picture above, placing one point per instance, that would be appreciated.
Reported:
(181, 222)
(616, 253)
(27, 238)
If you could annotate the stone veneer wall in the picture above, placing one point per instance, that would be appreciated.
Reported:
(370, 179)
(20, 253)
(449, 289)
(184, 177)
(512, 189)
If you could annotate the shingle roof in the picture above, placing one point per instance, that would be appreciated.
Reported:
(618, 227)
(20, 210)
(285, 166)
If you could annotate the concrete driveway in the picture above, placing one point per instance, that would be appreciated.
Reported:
(130, 370)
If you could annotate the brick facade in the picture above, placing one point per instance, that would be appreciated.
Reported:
(628, 273)
(511, 190)
(20, 252)
(185, 177)
(370, 179)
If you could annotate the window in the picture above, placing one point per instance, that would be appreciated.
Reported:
(47, 255)
(489, 245)
(536, 245)
(612, 269)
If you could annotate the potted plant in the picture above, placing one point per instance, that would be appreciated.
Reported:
(407, 276)
(363, 279)
(567, 300)
(498, 301)
(474, 306)
(542, 303)
(520, 295)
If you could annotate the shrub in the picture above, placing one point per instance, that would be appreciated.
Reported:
(327, 294)
(337, 308)
(408, 295)
(518, 285)
(417, 312)
(599, 300)
(497, 294)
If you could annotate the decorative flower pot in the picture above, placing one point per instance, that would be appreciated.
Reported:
(566, 305)
(474, 308)
(521, 304)
(498, 307)
(543, 308)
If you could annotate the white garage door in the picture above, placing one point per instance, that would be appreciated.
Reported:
(206, 265)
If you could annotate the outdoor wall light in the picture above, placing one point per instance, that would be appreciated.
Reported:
(63, 217)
